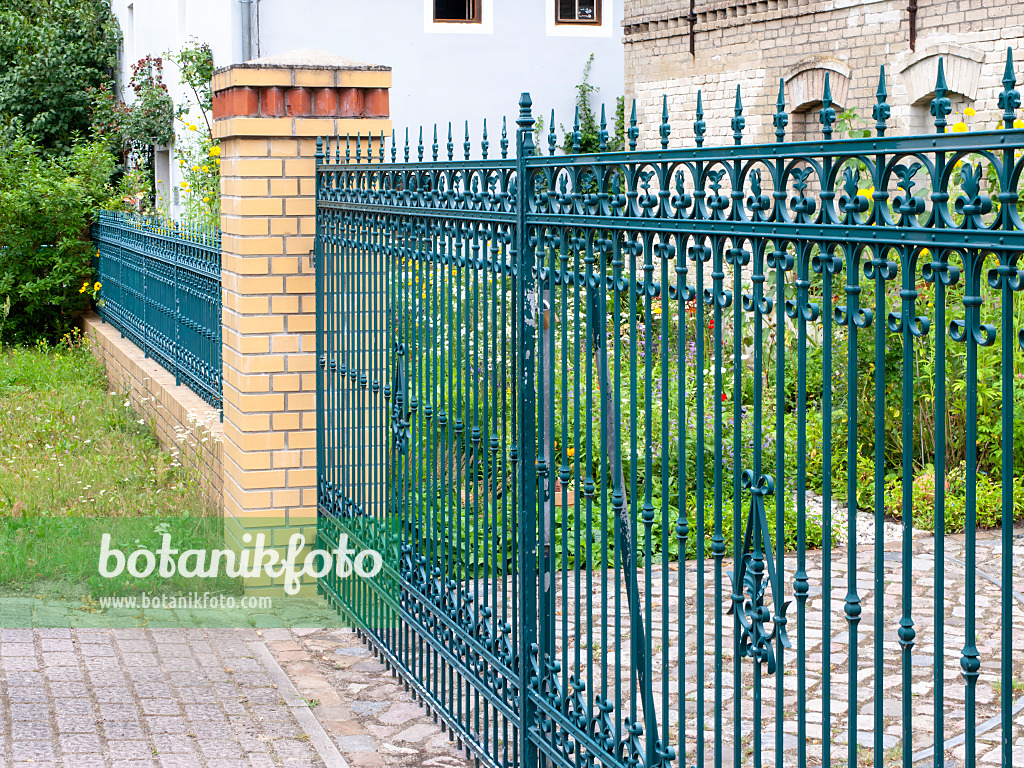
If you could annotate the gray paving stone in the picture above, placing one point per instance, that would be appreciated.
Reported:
(30, 729)
(79, 742)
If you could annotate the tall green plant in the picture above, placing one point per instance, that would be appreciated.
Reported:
(589, 121)
(46, 204)
(51, 53)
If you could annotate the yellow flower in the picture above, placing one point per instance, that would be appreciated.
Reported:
(214, 151)
(195, 167)
(1018, 123)
(84, 288)
(959, 127)
(217, 161)
(206, 199)
(206, 169)
(970, 112)
(97, 286)
(866, 192)
(570, 451)
(193, 128)
(925, 253)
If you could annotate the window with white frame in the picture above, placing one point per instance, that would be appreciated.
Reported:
(578, 11)
(457, 11)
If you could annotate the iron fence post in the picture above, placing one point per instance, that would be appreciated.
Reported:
(526, 301)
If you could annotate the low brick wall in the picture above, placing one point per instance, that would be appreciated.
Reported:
(181, 420)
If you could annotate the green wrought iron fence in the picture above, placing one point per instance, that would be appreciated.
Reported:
(160, 287)
(643, 422)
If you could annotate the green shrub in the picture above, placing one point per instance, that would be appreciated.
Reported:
(45, 209)
(51, 53)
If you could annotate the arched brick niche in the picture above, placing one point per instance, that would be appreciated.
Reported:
(805, 85)
(962, 67)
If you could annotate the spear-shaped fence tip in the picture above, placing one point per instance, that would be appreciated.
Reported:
(634, 131)
(941, 105)
(698, 125)
(484, 144)
(602, 135)
(781, 119)
(738, 121)
(577, 137)
(664, 128)
(827, 115)
(1009, 99)
(881, 109)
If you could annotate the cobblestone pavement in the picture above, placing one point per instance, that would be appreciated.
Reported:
(367, 712)
(169, 698)
(591, 660)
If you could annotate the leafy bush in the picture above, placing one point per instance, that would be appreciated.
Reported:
(51, 53)
(45, 209)
(148, 119)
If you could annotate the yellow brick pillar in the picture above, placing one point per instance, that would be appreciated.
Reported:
(267, 116)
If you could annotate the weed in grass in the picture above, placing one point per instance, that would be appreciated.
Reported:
(72, 455)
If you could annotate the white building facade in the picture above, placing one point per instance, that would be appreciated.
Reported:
(451, 60)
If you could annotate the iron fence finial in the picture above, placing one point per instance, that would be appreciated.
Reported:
(781, 119)
(699, 126)
(881, 109)
(664, 128)
(827, 114)
(941, 105)
(576, 136)
(634, 132)
(738, 121)
(1009, 99)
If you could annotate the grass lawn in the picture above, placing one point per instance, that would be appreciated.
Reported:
(75, 459)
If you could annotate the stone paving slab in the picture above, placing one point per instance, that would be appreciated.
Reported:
(144, 698)
(368, 713)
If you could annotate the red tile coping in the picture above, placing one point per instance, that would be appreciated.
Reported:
(274, 101)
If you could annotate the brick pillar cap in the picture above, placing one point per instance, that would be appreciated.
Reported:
(302, 67)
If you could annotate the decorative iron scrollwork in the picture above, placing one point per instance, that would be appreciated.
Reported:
(400, 431)
(749, 586)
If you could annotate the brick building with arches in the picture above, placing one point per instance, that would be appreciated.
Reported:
(675, 47)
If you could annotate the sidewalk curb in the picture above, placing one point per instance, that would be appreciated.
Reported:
(318, 737)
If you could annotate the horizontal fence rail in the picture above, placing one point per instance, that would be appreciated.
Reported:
(695, 456)
(160, 287)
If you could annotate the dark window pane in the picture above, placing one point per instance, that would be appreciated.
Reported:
(454, 10)
(588, 10)
(567, 10)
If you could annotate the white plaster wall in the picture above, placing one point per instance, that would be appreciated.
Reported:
(443, 72)
(440, 72)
